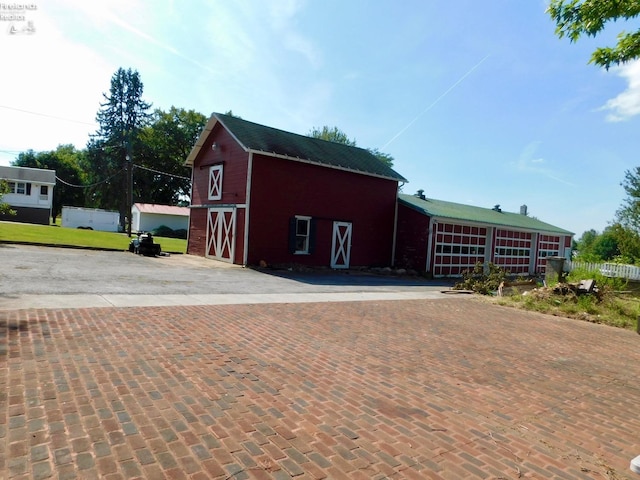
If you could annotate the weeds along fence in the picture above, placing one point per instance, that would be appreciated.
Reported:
(630, 272)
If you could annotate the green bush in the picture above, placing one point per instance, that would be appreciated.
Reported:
(479, 281)
(164, 231)
(180, 233)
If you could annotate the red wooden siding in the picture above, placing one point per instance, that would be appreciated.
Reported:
(234, 160)
(197, 243)
(283, 188)
(234, 184)
(412, 238)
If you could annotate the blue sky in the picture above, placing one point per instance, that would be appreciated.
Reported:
(478, 102)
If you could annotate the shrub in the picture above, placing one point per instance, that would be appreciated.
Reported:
(180, 233)
(164, 231)
(480, 282)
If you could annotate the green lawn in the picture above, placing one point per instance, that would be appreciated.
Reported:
(55, 235)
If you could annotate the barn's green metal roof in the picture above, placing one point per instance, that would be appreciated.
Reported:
(272, 141)
(469, 213)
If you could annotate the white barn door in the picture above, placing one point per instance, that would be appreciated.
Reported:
(341, 245)
(221, 233)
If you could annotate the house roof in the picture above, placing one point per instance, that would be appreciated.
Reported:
(271, 141)
(469, 213)
(26, 174)
(161, 209)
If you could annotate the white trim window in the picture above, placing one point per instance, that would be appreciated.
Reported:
(19, 188)
(44, 192)
(303, 234)
(215, 182)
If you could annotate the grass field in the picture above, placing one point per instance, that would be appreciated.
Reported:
(13, 232)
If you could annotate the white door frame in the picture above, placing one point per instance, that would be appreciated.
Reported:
(221, 234)
(341, 244)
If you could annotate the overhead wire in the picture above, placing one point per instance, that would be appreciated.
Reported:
(46, 115)
(93, 184)
(118, 173)
(161, 173)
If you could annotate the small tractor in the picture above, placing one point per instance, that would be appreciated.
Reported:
(143, 245)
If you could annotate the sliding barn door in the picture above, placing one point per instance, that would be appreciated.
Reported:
(221, 233)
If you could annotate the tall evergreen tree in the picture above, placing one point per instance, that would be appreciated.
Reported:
(113, 148)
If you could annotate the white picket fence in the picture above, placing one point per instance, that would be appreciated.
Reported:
(630, 272)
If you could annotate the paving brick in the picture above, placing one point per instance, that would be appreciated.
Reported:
(409, 389)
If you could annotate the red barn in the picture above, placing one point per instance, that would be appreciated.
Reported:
(263, 194)
(446, 238)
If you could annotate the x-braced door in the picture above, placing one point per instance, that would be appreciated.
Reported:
(341, 245)
(221, 233)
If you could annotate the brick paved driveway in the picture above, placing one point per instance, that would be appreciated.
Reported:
(450, 388)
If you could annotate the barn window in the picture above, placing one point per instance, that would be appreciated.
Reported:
(44, 192)
(215, 182)
(301, 235)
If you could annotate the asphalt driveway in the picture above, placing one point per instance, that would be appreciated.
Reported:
(59, 271)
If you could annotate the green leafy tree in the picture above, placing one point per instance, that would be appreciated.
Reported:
(575, 18)
(629, 212)
(338, 136)
(113, 148)
(160, 175)
(331, 135)
(628, 241)
(66, 161)
(5, 208)
(584, 245)
(605, 246)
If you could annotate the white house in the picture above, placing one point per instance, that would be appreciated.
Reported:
(149, 216)
(30, 193)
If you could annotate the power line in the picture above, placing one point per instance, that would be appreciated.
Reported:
(47, 115)
(93, 184)
(118, 173)
(162, 173)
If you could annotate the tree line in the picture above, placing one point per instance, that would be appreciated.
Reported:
(136, 153)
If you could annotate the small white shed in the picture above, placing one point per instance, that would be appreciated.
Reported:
(149, 216)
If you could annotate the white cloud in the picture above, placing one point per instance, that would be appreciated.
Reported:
(626, 104)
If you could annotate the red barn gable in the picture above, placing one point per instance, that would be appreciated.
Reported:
(263, 194)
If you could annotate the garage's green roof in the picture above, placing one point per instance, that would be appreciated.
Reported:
(469, 213)
(271, 141)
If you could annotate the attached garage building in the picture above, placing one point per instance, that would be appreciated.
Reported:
(445, 238)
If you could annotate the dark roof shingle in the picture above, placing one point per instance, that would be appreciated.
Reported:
(268, 140)
(28, 174)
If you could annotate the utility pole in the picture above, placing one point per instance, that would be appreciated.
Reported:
(129, 192)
